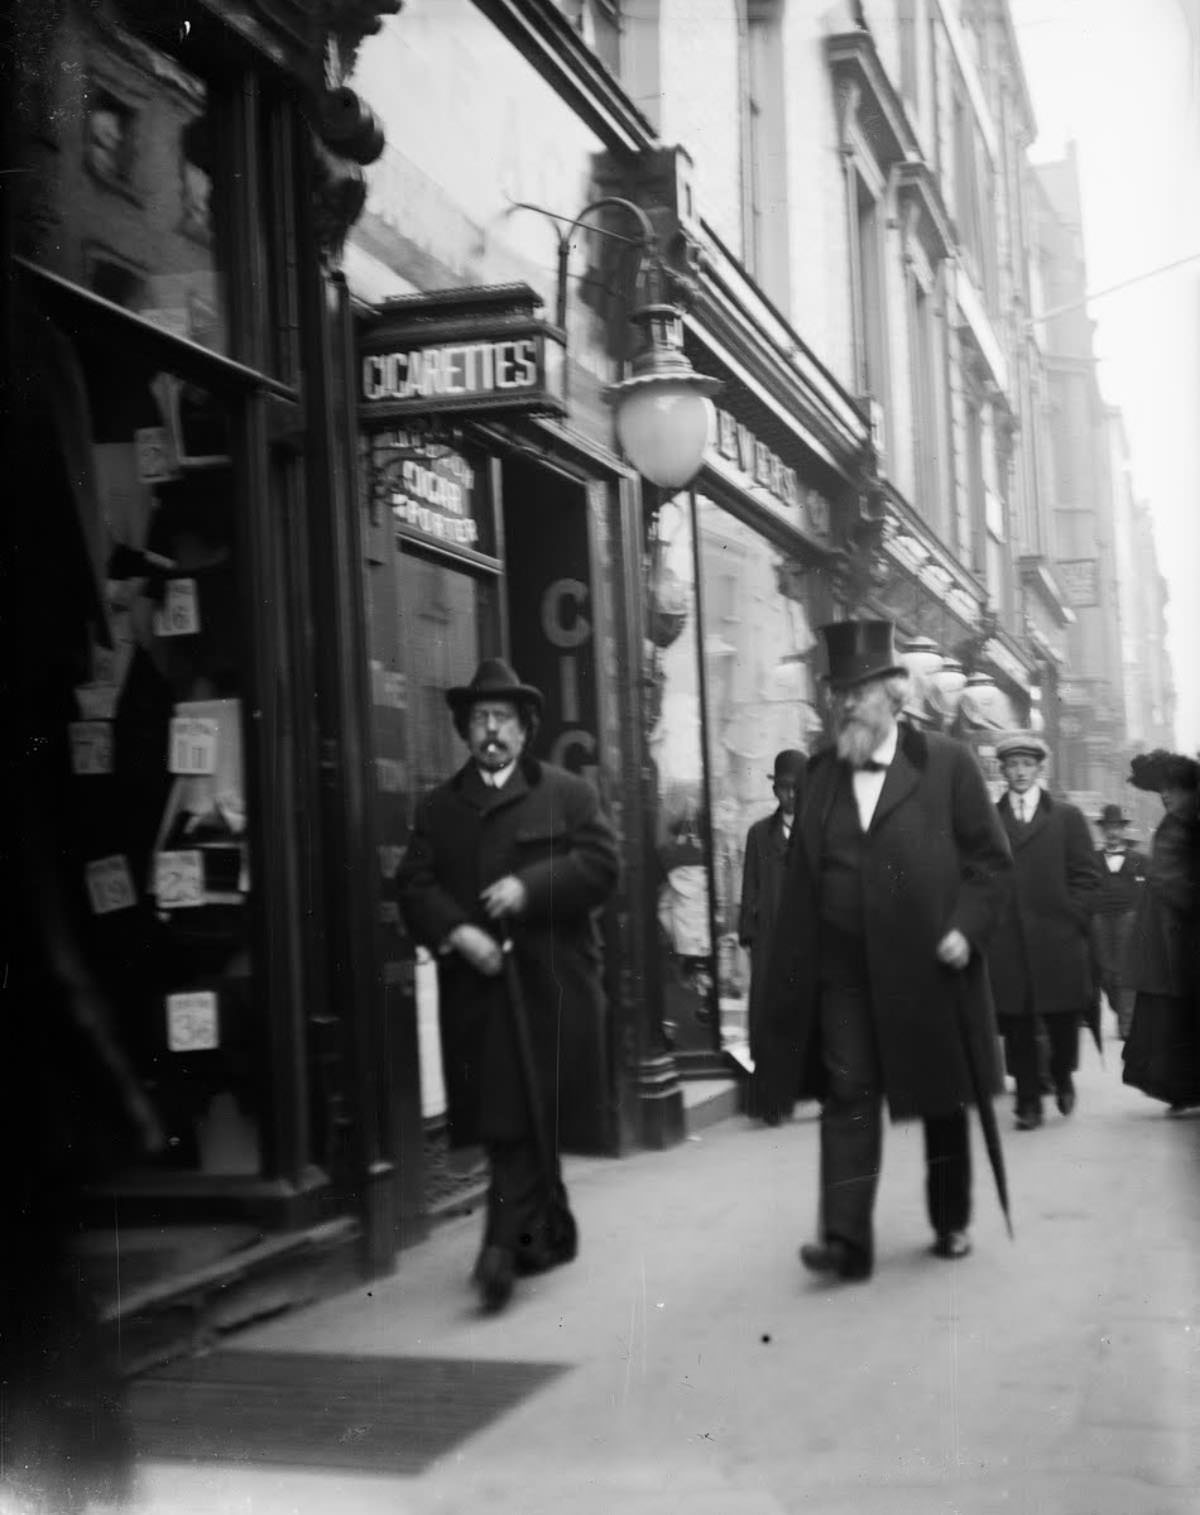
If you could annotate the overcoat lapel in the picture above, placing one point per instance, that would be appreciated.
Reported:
(899, 782)
(818, 800)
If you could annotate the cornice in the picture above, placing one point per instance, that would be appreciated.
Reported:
(919, 191)
(543, 36)
(872, 101)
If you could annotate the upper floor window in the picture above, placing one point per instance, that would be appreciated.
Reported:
(109, 138)
(974, 200)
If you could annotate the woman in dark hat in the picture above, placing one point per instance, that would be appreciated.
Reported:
(1162, 1052)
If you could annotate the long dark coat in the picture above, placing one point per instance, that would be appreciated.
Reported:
(1040, 957)
(546, 827)
(1161, 954)
(762, 885)
(936, 860)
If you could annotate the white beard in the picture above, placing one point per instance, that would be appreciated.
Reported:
(857, 740)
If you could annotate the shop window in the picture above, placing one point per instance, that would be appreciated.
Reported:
(109, 144)
(196, 185)
(116, 281)
(759, 700)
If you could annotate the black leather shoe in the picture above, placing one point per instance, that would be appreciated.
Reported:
(1029, 1118)
(952, 1244)
(1065, 1096)
(835, 1257)
(495, 1272)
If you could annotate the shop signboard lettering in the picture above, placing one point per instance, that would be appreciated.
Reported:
(1080, 579)
(469, 350)
(739, 453)
(567, 629)
(433, 491)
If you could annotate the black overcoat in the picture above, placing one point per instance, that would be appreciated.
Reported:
(1161, 954)
(936, 860)
(546, 827)
(762, 884)
(1040, 956)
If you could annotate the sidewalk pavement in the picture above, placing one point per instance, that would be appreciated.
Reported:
(707, 1374)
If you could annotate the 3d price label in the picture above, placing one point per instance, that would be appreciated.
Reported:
(180, 614)
(109, 885)
(192, 1021)
(179, 880)
(193, 745)
(91, 747)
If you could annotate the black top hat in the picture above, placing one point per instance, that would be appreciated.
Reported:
(493, 680)
(1112, 815)
(858, 651)
(790, 765)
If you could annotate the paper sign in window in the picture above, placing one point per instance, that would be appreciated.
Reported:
(193, 745)
(179, 879)
(192, 1021)
(180, 613)
(91, 747)
(109, 885)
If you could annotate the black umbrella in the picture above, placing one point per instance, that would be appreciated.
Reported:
(1091, 1019)
(561, 1230)
(987, 1112)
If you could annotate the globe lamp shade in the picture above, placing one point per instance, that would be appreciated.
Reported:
(663, 425)
(662, 413)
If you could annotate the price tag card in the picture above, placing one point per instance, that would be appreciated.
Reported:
(155, 455)
(97, 702)
(110, 885)
(193, 745)
(180, 614)
(178, 880)
(192, 1021)
(91, 747)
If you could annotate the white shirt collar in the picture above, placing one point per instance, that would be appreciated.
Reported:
(498, 777)
(1025, 805)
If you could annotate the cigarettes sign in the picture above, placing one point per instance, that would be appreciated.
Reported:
(462, 350)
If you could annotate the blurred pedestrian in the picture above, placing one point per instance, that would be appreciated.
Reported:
(511, 845)
(767, 844)
(1122, 875)
(1162, 1051)
(893, 882)
(1040, 956)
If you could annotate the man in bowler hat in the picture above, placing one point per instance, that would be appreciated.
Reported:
(1122, 879)
(1040, 957)
(877, 987)
(762, 878)
(510, 846)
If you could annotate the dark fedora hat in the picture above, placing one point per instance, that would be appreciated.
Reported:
(790, 765)
(493, 680)
(1112, 815)
(858, 651)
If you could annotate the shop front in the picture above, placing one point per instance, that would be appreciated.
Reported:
(488, 528)
(167, 359)
(740, 569)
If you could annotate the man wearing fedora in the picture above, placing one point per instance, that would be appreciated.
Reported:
(1040, 957)
(1122, 878)
(762, 878)
(877, 988)
(511, 847)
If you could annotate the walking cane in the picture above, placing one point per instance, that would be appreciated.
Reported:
(562, 1233)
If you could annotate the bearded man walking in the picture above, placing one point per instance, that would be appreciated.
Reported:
(877, 987)
(512, 847)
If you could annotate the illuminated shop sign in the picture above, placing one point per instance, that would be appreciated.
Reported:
(466, 350)
(741, 455)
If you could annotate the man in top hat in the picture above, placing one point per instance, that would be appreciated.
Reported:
(762, 878)
(1122, 878)
(1040, 955)
(510, 846)
(877, 988)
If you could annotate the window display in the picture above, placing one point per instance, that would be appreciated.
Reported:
(156, 816)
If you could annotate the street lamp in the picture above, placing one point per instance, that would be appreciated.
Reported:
(662, 411)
